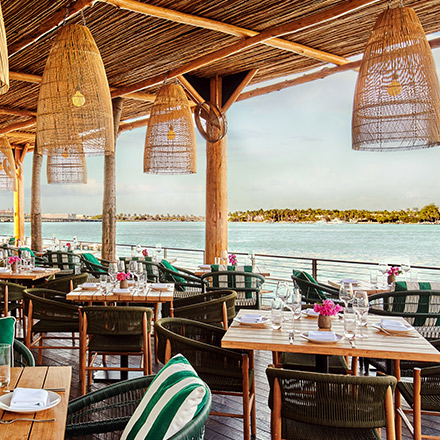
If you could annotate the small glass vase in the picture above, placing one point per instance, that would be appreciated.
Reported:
(324, 322)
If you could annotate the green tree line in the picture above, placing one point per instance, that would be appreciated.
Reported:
(427, 214)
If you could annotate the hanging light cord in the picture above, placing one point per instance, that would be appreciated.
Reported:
(67, 13)
(83, 18)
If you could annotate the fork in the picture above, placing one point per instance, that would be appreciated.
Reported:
(7, 422)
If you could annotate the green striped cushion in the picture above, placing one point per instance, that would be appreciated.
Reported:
(402, 286)
(175, 396)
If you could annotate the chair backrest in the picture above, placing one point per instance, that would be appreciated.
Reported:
(65, 283)
(331, 400)
(246, 284)
(308, 286)
(22, 355)
(216, 307)
(92, 264)
(421, 308)
(109, 320)
(46, 305)
(15, 291)
(416, 285)
(63, 260)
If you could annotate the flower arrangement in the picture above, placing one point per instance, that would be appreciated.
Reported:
(232, 260)
(13, 260)
(394, 270)
(327, 308)
(68, 246)
(122, 276)
(145, 253)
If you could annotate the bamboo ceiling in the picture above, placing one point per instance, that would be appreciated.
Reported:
(137, 47)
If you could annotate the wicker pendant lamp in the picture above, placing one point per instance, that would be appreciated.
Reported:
(74, 114)
(4, 62)
(7, 166)
(67, 168)
(397, 97)
(170, 143)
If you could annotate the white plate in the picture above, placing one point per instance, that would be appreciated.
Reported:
(310, 315)
(4, 270)
(5, 400)
(89, 286)
(305, 335)
(38, 269)
(393, 331)
(160, 286)
(263, 322)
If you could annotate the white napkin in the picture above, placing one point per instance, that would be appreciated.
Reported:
(322, 336)
(389, 324)
(205, 266)
(350, 280)
(251, 319)
(311, 312)
(29, 398)
(119, 290)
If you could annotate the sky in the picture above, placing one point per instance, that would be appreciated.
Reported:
(287, 149)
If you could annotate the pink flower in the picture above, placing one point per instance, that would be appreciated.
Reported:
(232, 260)
(121, 276)
(145, 253)
(394, 270)
(68, 245)
(327, 308)
(13, 260)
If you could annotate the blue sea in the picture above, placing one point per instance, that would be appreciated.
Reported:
(346, 241)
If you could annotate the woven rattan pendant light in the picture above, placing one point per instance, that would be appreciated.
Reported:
(74, 113)
(4, 63)
(7, 166)
(397, 96)
(69, 168)
(170, 143)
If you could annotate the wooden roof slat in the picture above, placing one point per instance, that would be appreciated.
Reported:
(247, 79)
(294, 26)
(18, 125)
(16, 111)
(207, 23)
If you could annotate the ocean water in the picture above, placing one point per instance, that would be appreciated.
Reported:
(346, 241)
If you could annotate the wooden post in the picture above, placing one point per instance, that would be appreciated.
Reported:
(36, 235)
(109, 198)
(19, 200)
(216, 227)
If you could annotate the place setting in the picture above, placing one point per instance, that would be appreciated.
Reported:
(395, 328)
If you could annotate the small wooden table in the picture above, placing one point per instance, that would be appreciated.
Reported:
(29, 275)
(39, 377)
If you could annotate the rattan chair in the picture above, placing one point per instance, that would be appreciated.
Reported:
(11, 296)
(54, 316)
(116, 331)
(93, 265)
(217, 307)
(186, 283)
(421, 308)
(68, 262)
(317, 406)
(107, 411)
(22, 355)
(423, 396)
(63, 283)
(311, 290)
(246, 284)
(225, 371)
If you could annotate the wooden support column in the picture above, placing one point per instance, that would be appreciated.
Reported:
(216, 226)
(109, 197)
(19, 199)
(36, 234)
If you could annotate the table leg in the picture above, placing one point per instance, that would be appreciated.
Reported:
(322, 363)
(397, 401)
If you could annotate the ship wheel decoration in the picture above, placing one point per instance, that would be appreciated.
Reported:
(210, 121)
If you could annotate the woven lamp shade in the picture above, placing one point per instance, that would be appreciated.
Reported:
(397, 97)
(66, 168)
(170, 143)
(74, 114)
(7, 166)
(4, 63)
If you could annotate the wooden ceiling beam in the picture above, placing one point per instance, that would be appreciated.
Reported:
(195, 95)
(18, 125)
(25, 77)
(126, 126)
(16, 112)
(214, 25)
(21, 135)
(247, 79)
(51, 23)
(287, 28)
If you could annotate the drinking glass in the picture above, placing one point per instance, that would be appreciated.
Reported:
(373, 277)
(32, 262)
(121, 266)
(282, 291)
(103, 283)
(361, 306)
(224, 257)
(158, 251)
(406, 267)
(383, 269)
(349, 323)
(112, 271)
(5, 365)
(346, 293)
(277, 313)
(296, 302)
(138, 249)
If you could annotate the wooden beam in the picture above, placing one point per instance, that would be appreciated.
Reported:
(51, 23)
(16, 112)
(125, 126)
(247, 79)
(323, 73)
(218, 26)
(18, 125)
(21, 135)
(36, 230)
(19, 200)
(141, 96)
(195, 96)
(26, 77)
(294, 26)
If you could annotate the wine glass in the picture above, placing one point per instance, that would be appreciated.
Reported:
(158, 251)
(361, 306)
(282, 291)
(349, 324)
(346, 293)
(138, 249)
(383, 269)
(406, 267)
(112, 271)
(224, 257)
(294, 301)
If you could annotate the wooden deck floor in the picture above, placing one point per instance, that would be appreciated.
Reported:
(217, 427)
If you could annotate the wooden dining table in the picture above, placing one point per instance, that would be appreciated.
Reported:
(38, 377)
(29, 274)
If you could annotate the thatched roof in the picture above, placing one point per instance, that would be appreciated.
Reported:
(138, 48)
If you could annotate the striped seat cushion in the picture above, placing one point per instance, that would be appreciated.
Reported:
(175, 396)
(401, 286)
